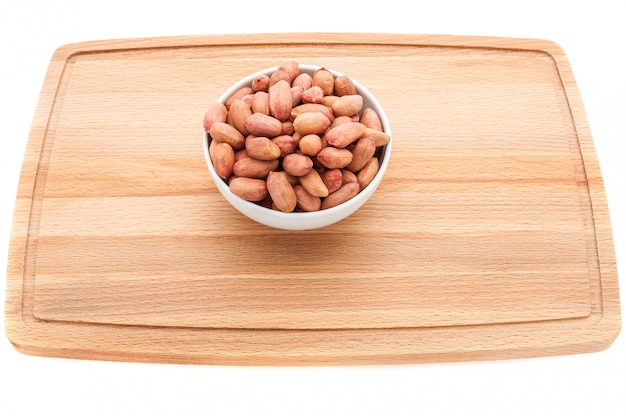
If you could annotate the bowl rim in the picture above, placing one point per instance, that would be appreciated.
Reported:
(275, 218)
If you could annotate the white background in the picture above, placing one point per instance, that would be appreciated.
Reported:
(592, 35)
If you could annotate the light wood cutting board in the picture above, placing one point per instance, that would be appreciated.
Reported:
(489, 237)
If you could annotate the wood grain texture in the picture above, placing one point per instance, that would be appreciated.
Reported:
(489, 237)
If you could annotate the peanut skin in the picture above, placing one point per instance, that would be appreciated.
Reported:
(292, 68)
(237, 115)
(312, 107)
(281, 191)
(248, 188)
(223, 158)
(341, 195)
(311, 123)
(367, 173)
(216, 112)
(342, 135)
(334, 158)
(305, 201)
(314, 184)
(344, 86)
(225, 133)
(303, 80)
(285, 143)
(347, 105)
(333, 179)
(310, 145)
(280, 100)
(380, 137)
(325, 80)
(280, 74)
(260, 83)
(250, 167)
(371, 120)
(362, 152)
(313, 95)
(262, 148)
(348, 176)
(296, 164)
(261, 103)
(261, 124)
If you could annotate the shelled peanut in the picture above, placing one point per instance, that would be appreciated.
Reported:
(294, 141)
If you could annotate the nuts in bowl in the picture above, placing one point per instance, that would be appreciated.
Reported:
(297, 147)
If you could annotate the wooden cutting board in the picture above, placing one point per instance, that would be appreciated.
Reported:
(489, 237)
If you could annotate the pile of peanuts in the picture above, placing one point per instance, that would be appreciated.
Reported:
(294, 141)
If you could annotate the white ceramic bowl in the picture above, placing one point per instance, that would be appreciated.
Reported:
(303, 220)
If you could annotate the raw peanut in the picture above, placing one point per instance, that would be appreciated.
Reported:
(225, 133)
(261, 124)
(308, 123)
(223, 158)
(285, 143)
(366, 175)
(380, 137)
(296, 95)
(344, 134)
(313, 95)
(216, 112)
(261, 83)
(296, 164)
(347, 176)
(370, 119)
(332, 178)
(341, 195)
(280, 100)
(340, 120)
(248, 188)
(362, 152)
(347, 105)
(288, 127)
(344, 86)
(325, 80)
(311, 144)
(303, 80)
(328, 100)
(305, 201)
(313, 108)
(334, 158)
(250, 167)
(261, 103)
(281, 191)
(280, 74)
(238, 95)
(237, 115)
(292, 68)
(314, 184)
(262, 148)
